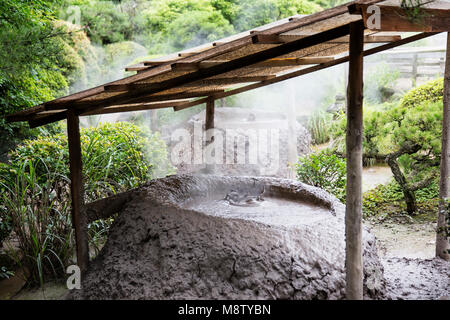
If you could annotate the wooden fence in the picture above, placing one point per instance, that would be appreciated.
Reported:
(415, 63)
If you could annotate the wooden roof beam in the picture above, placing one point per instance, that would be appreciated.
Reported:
(432, 16)
(214, 81)
(279, 39)
(276, 62)
(137, 107)
(145, 99)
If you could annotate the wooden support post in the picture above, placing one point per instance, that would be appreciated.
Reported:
(353, 212)
(209, 124)
(77, 190)
(442, 238)
(209, 121)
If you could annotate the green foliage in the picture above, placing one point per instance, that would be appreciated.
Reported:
(432, 91)
(31, 55)
(416, 120)
(324, 170)
(389, 198)
(5, 223)
(413, 10)
(318, 126)
(39, 219)
(116, 157)
(254, 13)
(175, 25)
(106, 21)
(377, 200)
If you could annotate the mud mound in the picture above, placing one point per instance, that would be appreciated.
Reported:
(177, 238)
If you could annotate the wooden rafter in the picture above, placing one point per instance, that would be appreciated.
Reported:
(278, 39)
(205, 82)
(276, 62)
(138, 107)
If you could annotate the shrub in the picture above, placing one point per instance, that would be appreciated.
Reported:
(431, 91)
(324, 170)
(115, 156)
(388, 198)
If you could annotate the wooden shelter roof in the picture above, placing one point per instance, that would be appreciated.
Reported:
(272, 53)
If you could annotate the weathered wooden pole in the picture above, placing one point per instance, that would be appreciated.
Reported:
(442, 239)
(209, 121)
(353, 212)
(209, 126)
(77, 190)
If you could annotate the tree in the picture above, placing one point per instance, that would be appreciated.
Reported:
(443, 221)
(254, 13)
(407, 136)
(31, 61)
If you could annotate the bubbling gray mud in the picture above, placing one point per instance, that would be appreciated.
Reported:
(271, 211)
(178, 238)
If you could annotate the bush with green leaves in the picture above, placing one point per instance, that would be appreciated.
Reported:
(388, 199)
(324, 170)
(432, 91)
(254, 13)
(115, 157)
(35, 189)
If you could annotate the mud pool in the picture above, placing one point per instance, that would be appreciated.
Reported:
(273, 211)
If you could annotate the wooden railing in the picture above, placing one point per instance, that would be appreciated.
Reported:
(415, 63)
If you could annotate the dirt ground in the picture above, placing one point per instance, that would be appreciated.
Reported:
(407, 254)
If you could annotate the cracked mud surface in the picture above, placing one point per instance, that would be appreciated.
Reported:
(162, 246)
(407, 253)
(412, 279)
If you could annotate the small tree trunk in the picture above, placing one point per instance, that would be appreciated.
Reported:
(410, 198)
(408, 192)
(442, 239)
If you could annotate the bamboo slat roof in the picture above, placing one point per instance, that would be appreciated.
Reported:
(265, 55)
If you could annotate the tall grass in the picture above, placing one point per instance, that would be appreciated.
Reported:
(318, 126)
(40, 222)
